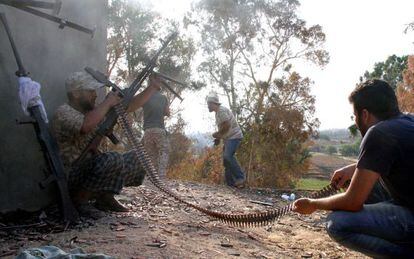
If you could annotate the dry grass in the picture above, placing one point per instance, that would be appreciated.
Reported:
(206, 169)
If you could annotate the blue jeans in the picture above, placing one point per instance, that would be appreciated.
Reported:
(379, 230)
(232, 170)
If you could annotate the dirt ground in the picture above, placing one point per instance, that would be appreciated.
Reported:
(158, 227)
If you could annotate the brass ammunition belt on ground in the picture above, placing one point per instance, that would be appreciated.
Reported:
(240, 220)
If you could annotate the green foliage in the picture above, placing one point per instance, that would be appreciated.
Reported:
(390, 70)
(130, 30)
(179, 143)
(331, 150)
(353, 129)
(248, 47)
(242, 39)
(311, 184)
(350, 150)
(273, 152)
(133, 36)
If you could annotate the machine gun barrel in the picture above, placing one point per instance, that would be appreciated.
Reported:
(62, 22)
(168, 86)
(171, 90)
(105, 128)
(55, 7)
(170, 79)
(102, 78)
(21, 71)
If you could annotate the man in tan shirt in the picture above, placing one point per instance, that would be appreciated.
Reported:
(230, 132)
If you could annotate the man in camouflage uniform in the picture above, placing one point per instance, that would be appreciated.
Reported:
(230, 132)
(155, 135)
(103, 174)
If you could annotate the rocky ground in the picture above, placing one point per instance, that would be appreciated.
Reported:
(158, 227)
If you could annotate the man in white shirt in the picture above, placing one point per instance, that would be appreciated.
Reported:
(228, 130)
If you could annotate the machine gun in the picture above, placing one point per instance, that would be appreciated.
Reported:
(48, 144)
(27, 6)
(168, 86)
(102, 78)
(106, 127)
(55, 7)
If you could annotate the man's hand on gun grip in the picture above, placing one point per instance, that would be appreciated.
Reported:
(113, 98)
(216, 135)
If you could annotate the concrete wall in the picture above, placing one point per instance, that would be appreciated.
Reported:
(50, 54)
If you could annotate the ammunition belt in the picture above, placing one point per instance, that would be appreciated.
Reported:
(240, 220)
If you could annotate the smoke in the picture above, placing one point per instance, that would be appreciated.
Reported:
(50, 54)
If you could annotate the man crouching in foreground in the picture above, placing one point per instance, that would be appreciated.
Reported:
(103, 174)
(385, 228)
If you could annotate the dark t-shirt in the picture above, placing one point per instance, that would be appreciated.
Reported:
(154, 110)
(388, 149)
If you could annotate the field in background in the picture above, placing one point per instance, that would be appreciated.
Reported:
(323, 165)
(311, 184)
(321, 169)
(208, 168)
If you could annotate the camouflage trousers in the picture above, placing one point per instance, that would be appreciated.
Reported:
(107, 172)
(157, 145)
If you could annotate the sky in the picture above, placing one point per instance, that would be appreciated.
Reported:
(359, 33)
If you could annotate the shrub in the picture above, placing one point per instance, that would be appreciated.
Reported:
(331, 150)
(208, 168)
(350, 149)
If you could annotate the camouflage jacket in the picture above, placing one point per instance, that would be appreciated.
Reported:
(66, 127)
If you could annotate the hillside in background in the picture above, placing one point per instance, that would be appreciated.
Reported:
(323, 165)
(336, 135)
(336, 142)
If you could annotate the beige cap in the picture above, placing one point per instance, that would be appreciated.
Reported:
(213, 98)
(81, 81)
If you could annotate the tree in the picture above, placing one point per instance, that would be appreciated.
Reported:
(405, 89)
(130, 30)
(243, 39)
(390, 70)
(249, 46)
(133, 37)
(351, 150)
(179, 143)
(410, 27)
(274, 150)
